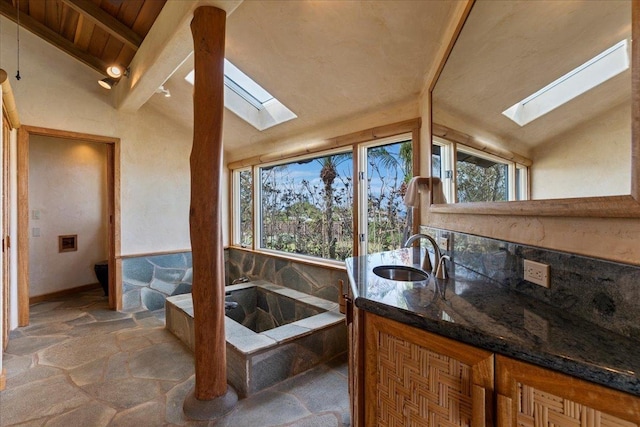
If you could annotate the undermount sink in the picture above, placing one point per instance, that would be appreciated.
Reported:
(400, 273)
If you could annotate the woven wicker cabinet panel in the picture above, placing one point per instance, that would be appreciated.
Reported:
(538, 408)
(532, 396)
(413, 384)
(419, 387)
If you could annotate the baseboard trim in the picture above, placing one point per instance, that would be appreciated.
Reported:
(3, 379)
(62, 293)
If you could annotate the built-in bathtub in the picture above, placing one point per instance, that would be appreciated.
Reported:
(273, 334)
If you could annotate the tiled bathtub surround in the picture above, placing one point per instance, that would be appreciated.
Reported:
(147, 281)
(260, 309)
(605, 293)
(313, 280)
(258, 360)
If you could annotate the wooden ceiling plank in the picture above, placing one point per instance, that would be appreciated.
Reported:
(52, 15)
(62, 11)
(129, 12)
(112, 50)
(69, 23)
(84, 30)
(36, 11)
(109, 6)
(52, 37)
(106, 21)
(147, 16)
(98, 42)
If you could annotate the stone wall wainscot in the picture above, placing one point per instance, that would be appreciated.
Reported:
(318, 281)
(148, 280)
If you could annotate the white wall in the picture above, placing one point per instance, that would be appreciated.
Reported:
(590, 160)
(58, 92)
(67, 196)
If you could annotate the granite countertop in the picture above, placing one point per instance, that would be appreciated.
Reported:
(470, 308)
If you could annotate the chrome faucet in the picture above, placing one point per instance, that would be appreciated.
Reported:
(426, 263)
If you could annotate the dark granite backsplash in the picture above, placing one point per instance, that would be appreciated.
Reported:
(602, 292)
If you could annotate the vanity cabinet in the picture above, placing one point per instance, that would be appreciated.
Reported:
(528, 395)
(415, 378)
(404, 376)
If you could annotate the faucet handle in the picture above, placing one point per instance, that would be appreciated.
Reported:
(426, 263)
(441, 269)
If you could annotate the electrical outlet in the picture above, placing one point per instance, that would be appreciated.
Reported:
(536, 272)
(443, 242)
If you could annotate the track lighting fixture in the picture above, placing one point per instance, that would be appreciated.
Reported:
(107, 82)
(116, 71)
(164, 91)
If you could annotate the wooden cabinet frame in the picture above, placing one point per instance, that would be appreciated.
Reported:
(586, 398)
(480, 362)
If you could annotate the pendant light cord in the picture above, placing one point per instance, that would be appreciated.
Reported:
(18, 43)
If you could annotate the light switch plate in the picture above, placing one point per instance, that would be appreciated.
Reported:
(536, 272)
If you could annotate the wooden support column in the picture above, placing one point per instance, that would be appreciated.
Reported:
(205, 219)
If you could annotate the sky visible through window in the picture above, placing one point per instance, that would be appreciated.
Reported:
(307, 205)
(309, 170)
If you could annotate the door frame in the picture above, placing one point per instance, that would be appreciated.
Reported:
(113, 205)
(6, 225)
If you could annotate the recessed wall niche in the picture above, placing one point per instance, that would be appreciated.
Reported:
(68, 243)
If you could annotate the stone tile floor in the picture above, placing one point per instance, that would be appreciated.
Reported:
(80, 364)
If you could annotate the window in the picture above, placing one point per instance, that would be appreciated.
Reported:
(243, 205)
(442, 166)
(522, 183)
(387, 170)
(477, 176)
(480, 179)
(250, 101)
(592, 73)
(306, 206)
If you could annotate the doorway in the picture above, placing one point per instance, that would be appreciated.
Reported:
(112, 145)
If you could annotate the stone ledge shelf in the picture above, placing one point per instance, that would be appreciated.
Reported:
(256, 360)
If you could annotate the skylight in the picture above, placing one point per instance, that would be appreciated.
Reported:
(592, 73)
(250, 101)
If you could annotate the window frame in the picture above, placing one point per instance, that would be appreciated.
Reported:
(362, 214)
(257, 210)
(447, 162)
(449, 159)
(235, 220)
(345, 143)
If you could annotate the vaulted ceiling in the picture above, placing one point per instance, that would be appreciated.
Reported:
(328, 61)
(96, 32)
